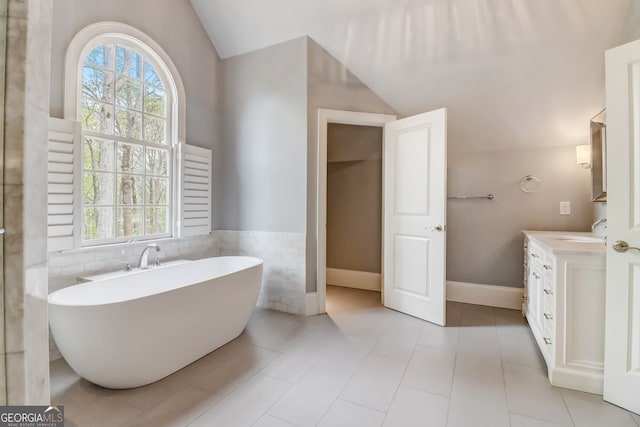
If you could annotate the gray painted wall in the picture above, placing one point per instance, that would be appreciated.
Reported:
(631, 29)
(354, 197)
(331, 86)
(484, 239)
(262, 161)
(171, 23)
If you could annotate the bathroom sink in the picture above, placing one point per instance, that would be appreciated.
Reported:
(580, 239)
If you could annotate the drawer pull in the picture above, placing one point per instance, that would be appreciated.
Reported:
(547, 267)
(547, 341)
(534, 255)
(548, 291)
(548, 316)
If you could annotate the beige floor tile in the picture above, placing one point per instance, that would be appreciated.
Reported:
(477, 315)
(431, 370)
(454, 313)
(507, 319)
(518, 346)
(529, 393)
(397, 342)
(309, 399)
(292, 364)
(222, 376)
(269, 421)
(107, 412)
(178, 410)
(439, 337)
(417, 408)
(375, 383)
(347, 414)
(483, 366)
(478, 403)
(245, 405)
(589, 410)
(479, 339)
(276, 331)
(522, 421)
(342, 351)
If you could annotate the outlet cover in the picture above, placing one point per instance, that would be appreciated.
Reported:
(565, 208)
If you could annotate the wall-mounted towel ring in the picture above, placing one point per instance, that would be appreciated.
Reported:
(529, 184)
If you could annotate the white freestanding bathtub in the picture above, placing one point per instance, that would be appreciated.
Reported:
(136, 329)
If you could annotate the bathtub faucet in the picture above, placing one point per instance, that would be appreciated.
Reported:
(144, 257)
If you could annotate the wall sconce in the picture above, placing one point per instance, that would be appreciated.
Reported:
(583, 155)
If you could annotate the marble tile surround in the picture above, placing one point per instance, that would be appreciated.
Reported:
(25, 119)
(283, 277)
(283, 255)
(66, 266)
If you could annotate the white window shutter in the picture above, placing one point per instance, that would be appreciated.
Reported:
(63, 186)
(195, 206)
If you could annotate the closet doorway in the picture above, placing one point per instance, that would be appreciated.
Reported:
(413, 210)
(354, 216)
(343, 165)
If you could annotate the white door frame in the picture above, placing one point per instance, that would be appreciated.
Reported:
(324, 118)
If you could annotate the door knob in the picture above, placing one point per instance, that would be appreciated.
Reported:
(437, 228)
(622, 246)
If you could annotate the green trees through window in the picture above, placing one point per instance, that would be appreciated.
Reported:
(127, 157)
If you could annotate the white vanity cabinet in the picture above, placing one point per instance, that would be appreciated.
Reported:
(564, 304)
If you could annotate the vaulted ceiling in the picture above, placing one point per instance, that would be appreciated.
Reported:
(511, 72)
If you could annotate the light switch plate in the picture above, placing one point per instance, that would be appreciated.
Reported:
(565, 208)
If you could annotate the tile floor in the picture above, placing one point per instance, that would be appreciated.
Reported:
(361, 365)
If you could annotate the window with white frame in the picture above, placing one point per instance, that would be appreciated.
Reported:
(119, 167)
(127, 173)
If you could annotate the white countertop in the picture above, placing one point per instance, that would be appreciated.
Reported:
(568, 242)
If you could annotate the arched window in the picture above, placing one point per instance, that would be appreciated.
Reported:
(127, 95)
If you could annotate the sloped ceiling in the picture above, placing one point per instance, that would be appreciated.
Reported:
(513, 73)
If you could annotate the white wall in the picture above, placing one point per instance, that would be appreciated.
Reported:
(262, 161)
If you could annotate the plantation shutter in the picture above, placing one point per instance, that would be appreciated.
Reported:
(63, 186)
(195, 209)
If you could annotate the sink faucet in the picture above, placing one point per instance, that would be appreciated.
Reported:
(144, 257)
(597, 223)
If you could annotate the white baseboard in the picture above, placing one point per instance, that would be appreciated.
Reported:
(470, 293)
(354, 279)
(311, 304)
(493, 296)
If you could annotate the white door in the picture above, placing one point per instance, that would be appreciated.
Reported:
(622, 326)
(415, 174)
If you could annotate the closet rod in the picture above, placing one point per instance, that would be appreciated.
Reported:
(488, 196)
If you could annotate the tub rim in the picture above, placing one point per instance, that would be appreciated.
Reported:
(52, 297)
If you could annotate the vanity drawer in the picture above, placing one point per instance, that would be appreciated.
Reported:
(549, 265)
(535, 254)
(548, 338)
(549, 319)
